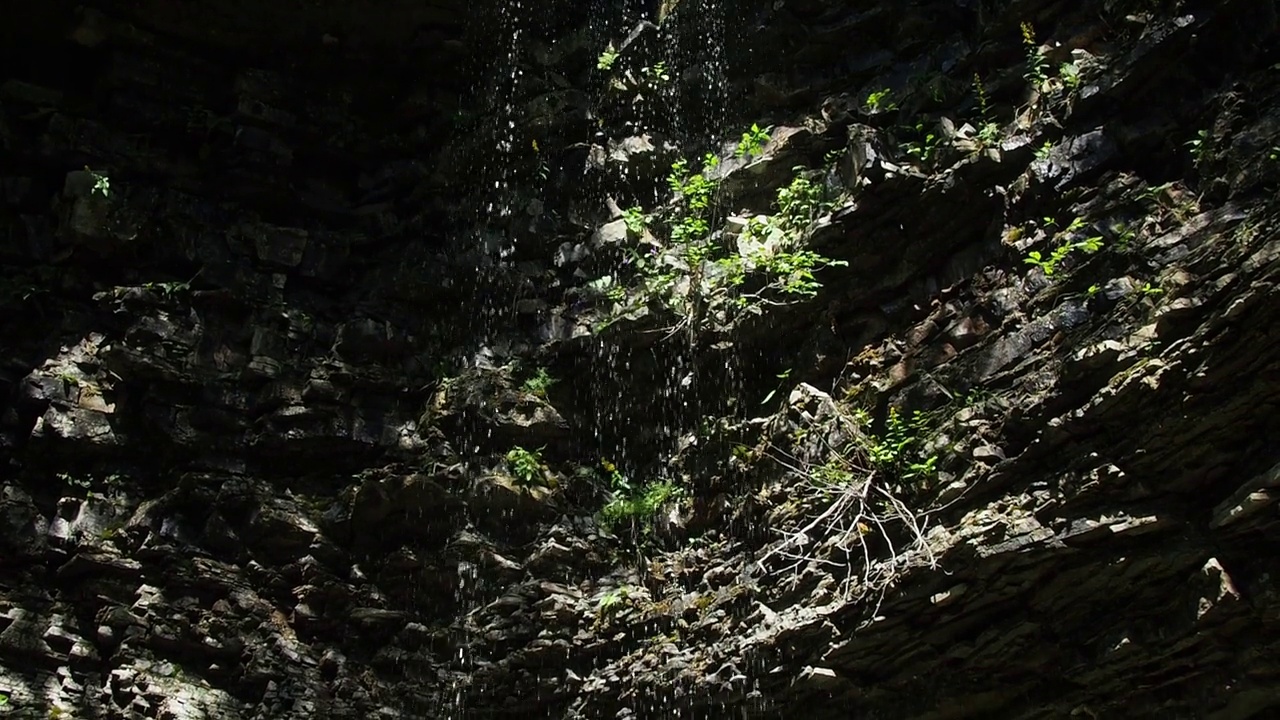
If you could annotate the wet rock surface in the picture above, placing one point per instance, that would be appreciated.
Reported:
(311, 397)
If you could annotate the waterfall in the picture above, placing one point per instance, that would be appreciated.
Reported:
(671, 385)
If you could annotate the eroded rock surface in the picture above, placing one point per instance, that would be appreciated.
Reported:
(326, 362)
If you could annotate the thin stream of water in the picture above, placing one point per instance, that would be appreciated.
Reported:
(669, 377)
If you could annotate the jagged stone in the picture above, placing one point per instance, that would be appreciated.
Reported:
(256, 468)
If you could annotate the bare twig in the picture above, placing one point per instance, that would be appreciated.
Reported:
(853, 505)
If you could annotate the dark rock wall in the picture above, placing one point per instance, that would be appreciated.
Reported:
(276, 280)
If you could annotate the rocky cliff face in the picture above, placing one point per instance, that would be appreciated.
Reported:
(696, 359)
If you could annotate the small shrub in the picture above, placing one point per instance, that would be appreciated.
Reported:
(607, 58)
(635, 504)
(752, 142)
(881, 101)
(849, 498)
(526, 466)
(539, 383)
(686, 269)
(639, 505)
(1089, 245)
(635, 220)
(801, 202)
(1070, 74)
(989, 134)
(899, 451)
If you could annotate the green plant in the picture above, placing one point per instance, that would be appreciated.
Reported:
(617, 481)
(801, 201)
(684, 268)
(976, 396)
(1149, 290)
(989, 134)
(1049, 264)
(1093, 290)
(167, 289)
(1125, 235)
(636, 504)
(72, 481)
(1070, 74)
(20, 285)
(790, 270)
(608, 287)
(635, 220)
(858, 504)
(539, 383)
(881, 101)
(4, 699)
(1156, 193)
(1043, 152)
(642, 504)
(900, 450)
(656, 74)
(543, 170)
(781, 376)
(752, 142)
(924, 149)
(989, 131)
(1199, 146)
(607, 58)
(980, 91)
(695, 191)
(526, 466)
(1037, 65)
(101, 183)
(612, 601)
(930, 84)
